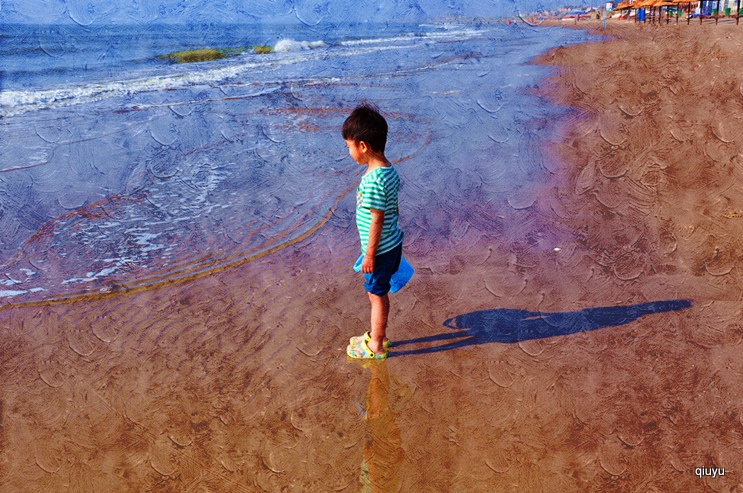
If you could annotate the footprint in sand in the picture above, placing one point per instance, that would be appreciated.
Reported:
(105, 332)
(136, 409)
(81, 341)
(52, 372)
(161, 457)
(53, 409)
(47, 457)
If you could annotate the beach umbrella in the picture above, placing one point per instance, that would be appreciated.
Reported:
(624, 6)
(636, 5)
(665, 3)
(643, 4)
(688, 3)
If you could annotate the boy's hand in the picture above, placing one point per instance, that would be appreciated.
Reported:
(375, 233)
(367, 265)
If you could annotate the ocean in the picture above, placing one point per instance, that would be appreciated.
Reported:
(120, 169)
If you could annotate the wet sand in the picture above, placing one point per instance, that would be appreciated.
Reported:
(588, 341)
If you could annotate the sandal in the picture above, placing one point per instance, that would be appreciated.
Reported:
(367, 337)
(361, 351)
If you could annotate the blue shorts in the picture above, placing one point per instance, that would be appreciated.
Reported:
(386, 264)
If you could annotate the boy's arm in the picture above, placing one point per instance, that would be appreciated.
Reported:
(375, 234)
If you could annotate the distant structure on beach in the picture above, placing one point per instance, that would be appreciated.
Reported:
(651, 11)
(667, 10)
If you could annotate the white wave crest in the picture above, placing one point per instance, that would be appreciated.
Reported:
(289, 45)
(18, 102)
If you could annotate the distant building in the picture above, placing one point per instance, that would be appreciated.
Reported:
(729, 6)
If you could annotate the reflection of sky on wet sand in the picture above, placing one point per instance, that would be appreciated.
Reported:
(126, 184)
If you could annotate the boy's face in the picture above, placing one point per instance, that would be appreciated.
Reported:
(358, 151)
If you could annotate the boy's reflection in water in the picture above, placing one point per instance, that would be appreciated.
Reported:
(383, 453)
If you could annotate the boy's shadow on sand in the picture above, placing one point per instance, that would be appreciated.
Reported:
(509, 326)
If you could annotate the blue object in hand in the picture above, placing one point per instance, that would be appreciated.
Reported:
(399, 279)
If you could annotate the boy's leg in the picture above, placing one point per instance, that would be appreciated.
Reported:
(380, 310)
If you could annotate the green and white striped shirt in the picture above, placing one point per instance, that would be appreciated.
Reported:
(378, 190)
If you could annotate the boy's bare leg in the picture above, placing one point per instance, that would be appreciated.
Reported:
(380, 310)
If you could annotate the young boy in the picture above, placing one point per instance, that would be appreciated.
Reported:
(365, 133)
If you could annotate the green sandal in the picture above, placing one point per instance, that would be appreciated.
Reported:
(362, 351)
(367, 337)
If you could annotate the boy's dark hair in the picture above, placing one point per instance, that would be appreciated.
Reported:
(367, 125)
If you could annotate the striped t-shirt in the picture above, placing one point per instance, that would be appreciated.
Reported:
(378, 190)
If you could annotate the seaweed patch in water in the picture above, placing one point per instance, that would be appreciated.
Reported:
(209, 54)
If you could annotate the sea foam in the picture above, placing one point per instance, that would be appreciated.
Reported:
(289, 45)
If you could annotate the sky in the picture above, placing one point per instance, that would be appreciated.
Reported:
(88, 12)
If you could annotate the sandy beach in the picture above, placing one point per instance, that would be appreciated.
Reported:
(588, 340)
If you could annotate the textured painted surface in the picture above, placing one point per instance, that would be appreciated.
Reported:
(573, 324)
(310, 12)
(150, 172)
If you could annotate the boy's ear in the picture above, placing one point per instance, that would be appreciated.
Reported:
(363, 146)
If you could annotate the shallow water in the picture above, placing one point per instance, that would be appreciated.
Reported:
(127, 171)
